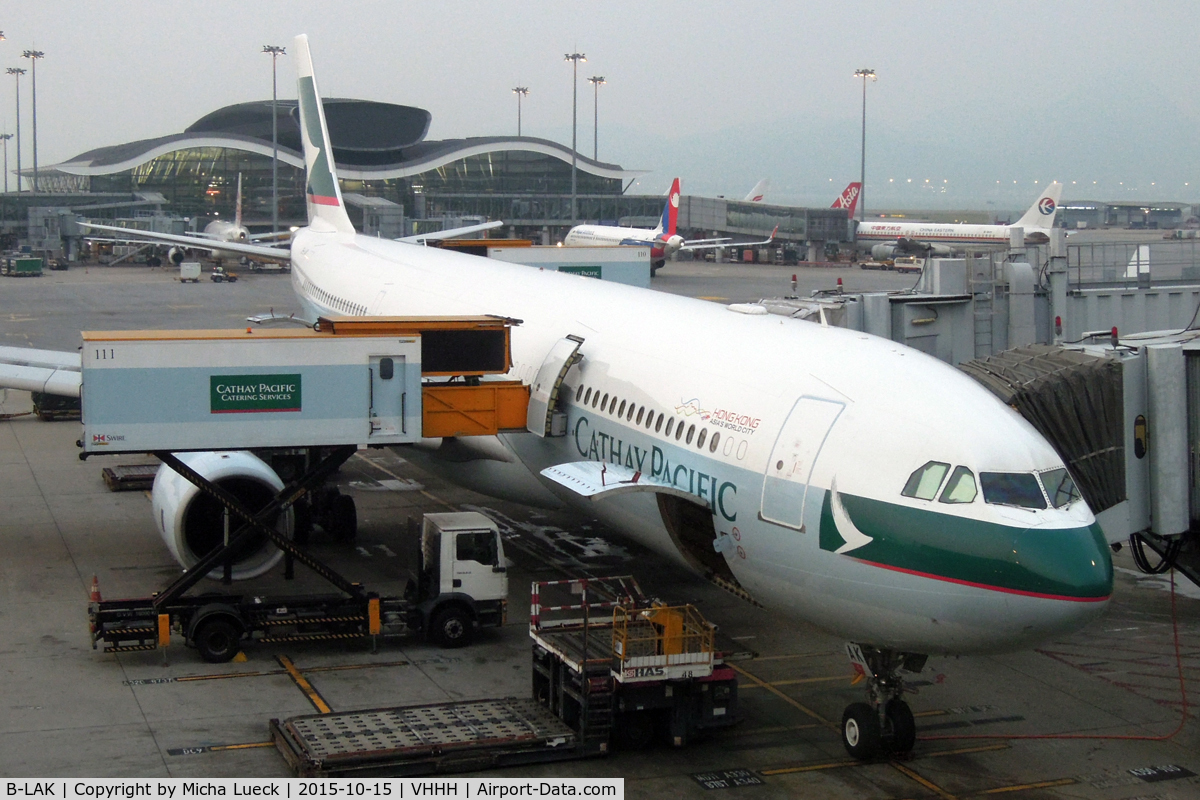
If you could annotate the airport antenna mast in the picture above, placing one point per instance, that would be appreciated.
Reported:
(520, 91)
(596, 81)
(33, 56)
(862, 174)
(17, 72)
(275, 52)
(574, 58)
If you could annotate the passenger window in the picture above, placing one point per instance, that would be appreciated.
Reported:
(621, 410)
(479, 547)
(1020, 489)
(603, 403)
(691, 432)
(700, 439)
(712, 446)
(658, 425)
(587, 398)
(629, 413)
(923, 484)
(670, 424)
(641, 413)
(579, 393)
(1060, 487)
(960, 488)
(679, 431)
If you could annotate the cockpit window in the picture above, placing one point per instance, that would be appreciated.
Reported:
(960, 488)
(1060, 487)
(923, 484)
(1019, 489)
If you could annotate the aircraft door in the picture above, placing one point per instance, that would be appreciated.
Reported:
(543, 394)
(785, 483)
(387, 397)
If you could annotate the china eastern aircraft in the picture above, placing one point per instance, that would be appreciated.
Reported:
(662, 240)
(886, 238)
(839, 478)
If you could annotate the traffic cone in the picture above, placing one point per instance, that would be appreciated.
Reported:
(94, 594)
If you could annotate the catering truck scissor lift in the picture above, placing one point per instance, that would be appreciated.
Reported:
(346, 384)
(609, 666)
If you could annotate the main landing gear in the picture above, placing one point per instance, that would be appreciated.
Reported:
(885, 725)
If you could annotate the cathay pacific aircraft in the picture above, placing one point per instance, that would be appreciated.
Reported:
(842, 479)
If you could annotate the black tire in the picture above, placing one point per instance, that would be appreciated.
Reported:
(342, 518)
(218, 639)
(861, 734)
(452, 627)
(635, 730)
(902, 728)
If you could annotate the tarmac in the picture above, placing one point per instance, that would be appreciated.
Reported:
(1098, 714)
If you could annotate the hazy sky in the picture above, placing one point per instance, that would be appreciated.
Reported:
(974, 102)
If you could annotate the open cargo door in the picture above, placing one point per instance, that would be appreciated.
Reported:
(543, 395)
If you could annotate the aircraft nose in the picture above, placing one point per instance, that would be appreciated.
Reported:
(1069, 563)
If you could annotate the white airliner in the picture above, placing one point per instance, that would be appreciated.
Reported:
(848, 199)
(842, 479)
(759, 191)
(887, 238)
(662, 240)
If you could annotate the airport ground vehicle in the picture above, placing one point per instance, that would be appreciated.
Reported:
(908, 264)
(22, 267)
(220, 274)
(461, 583)
(610, 666)
(189, 271)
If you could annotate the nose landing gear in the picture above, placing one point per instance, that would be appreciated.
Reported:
(885, 725)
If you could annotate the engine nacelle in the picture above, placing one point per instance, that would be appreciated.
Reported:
(176, 255)
(884, 252)
(192, 524)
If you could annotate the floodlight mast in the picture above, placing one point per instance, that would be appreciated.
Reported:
(33, 56)
(5, 137)
(17, 72)
(275, 53)
(574, 58)
(596, 81)
(520, 91)
(862, 175)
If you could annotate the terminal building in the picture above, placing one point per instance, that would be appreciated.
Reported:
(395, 181)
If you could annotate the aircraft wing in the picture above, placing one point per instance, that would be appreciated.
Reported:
(198, 242)
(61, 382)
(597, 480)
(708, 244)
(52, 359)
(450, 233)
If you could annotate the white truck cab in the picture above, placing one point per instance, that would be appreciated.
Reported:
(463, 576)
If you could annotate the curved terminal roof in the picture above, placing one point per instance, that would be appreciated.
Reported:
(371, 141)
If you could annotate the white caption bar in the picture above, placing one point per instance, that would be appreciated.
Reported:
(391, 788)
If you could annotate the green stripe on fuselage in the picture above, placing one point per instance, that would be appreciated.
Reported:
(1067, 562)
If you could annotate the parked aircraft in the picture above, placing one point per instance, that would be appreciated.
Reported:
(759, 191)
(842, 479)
(887, 238)
(848, 199)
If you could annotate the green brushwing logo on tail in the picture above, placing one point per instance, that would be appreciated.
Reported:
(321, 188)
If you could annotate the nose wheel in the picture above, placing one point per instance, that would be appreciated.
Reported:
(885, 725)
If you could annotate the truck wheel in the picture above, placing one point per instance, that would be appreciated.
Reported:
(452, 627)
(217, 639)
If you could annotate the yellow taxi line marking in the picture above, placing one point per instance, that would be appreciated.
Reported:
(792, 655)
(771, 729)
(783, 697)
(343, 667)
(312, 694)
(1023, 786)
(702, 297)
(245, 746)
(935, 713)
(857, 763)
(221, 677)
(928, 784)
(796, 681)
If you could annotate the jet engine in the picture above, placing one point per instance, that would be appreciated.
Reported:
(672, 245)
(884, 252)
(192, 524)
(176, 255)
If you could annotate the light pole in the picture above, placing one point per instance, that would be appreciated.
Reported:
(862, 175)
(5, 137)
(596, 81)
(33, 56)
(520, 92)
(275, 52)
(17, 72)
(574, 58)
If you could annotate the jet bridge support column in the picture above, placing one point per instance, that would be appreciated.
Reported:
(1057, 273)
(1169, 491)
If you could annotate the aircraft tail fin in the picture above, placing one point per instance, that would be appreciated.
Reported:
(759, 191)
(848, 199)
(237, 214)
(666, 225)
(325, 207)
(1041, 213)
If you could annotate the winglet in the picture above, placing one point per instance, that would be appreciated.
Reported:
(1041, 213)
(322, 191)
(666, 225)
